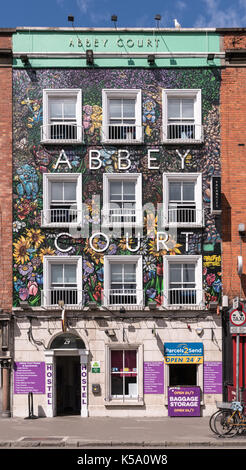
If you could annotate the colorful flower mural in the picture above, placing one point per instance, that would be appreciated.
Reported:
(31, 159)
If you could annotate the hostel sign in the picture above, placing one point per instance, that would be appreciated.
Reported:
(183, 353)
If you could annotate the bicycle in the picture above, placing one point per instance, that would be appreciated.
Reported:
(229, 419)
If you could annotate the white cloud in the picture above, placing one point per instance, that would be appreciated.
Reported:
(83, 5)
(220, 17)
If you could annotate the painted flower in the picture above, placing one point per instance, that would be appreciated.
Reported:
(23, 293)
(46, 251)
(18, 284)
(149, 263)
(87, 116)
(217, 285)
(112, 249)
(25, 269)
(24, 207)
(151, 293)
(98, 293)
(21, 247)
(96, 118)
(100, 274)
(35, 237)
(32, 288)
(87, 267)
(210, 278)
(17, 225)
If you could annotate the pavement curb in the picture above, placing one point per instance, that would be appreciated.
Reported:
(78, 444)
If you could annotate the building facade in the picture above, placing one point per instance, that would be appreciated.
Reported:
(5, 218)
(116, 214)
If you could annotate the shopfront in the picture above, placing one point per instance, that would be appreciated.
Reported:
(184, 378)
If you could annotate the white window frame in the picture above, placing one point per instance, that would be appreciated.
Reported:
(183, 93)
(107, 178)
(48, 260)
(61, 93)
(48, 178)
(183, 259)
(120, 259)
(194, 177)
(134, 400)
(108, 94)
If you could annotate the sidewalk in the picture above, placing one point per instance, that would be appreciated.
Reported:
(74, 431)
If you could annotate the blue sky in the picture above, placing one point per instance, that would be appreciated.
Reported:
(131, 13)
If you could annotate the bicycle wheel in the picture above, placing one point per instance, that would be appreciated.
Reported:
(225, 423)
(211, 421)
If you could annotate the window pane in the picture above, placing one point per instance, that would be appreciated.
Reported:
(115, 190)
(70, 109)
(188, 108)
(114, 108)
(69, 191)
(116, 385)
(55, 109)
(175, 191)
(128, 108)
(175, 272)
(173, 108)
(189, 273)
(56, 191)
(128, 191)
(57, 274)
(116, 273)
(131, 359)
(116, 360)
(189, 191)
(129, 273)
(70, 273)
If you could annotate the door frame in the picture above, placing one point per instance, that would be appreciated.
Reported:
(50, 371)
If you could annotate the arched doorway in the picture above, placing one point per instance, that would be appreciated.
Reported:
(66, 375)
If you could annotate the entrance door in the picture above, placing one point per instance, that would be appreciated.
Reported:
(68, 385)
(182, 374)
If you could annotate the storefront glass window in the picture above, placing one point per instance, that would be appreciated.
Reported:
(124, 377)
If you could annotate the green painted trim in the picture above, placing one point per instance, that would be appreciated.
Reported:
(115, 48)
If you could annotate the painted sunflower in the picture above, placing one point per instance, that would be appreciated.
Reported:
(46, 251)
(35, 237)
(21, 253)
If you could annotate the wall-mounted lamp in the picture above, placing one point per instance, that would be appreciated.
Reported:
(157, 18)
(110, 332)
(241, 229)
(24, 59)
(71, 19)
(114, 18)
(151, 59)
(122, 309)
(89, 57)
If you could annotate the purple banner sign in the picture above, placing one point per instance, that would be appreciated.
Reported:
(212, 377)
(154, 377)
(29, 377)
(184, 401)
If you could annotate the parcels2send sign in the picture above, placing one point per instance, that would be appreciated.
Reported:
(183, 353)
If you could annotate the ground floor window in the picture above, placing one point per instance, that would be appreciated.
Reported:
(123, 374)
(182, 375)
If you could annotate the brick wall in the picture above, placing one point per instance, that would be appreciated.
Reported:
(5, 175)
(233, 159)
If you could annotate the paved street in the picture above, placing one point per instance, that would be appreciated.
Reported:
(72, 432)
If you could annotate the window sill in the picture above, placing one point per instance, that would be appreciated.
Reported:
(124, 403)
(124, 142)
(61, 141)
(182, 141)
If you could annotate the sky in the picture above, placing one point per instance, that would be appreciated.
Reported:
(131, 13)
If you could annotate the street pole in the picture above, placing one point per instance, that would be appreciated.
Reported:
(237, 367)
